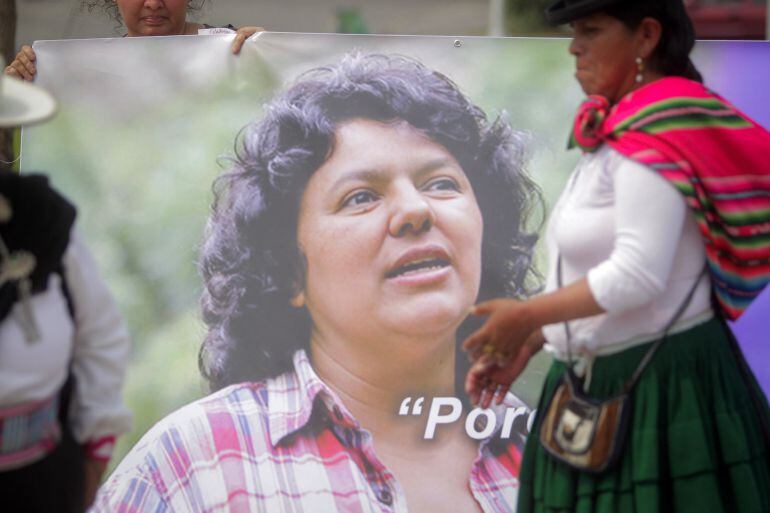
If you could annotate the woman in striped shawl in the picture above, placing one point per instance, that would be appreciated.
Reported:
(662, 232)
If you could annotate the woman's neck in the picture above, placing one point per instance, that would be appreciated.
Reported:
(648, 78)
(374, 384)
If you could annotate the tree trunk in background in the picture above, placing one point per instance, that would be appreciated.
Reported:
(8, 49)
(496, 24)
(8, 29)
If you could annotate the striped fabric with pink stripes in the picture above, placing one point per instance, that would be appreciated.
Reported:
(28, 432)
(283, 445)
(716, 156)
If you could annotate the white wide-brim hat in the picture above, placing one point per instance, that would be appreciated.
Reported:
(22, 103)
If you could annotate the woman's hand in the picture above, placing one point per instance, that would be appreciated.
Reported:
(23, 66)
(509, 324)
(241, 35)
(488, 381)
(501, 348)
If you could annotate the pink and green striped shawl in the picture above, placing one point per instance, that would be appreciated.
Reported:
(719, 160)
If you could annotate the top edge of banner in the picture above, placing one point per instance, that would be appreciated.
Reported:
(259, 35)
(262, 34)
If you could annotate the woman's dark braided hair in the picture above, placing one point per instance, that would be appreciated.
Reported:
(672, 55)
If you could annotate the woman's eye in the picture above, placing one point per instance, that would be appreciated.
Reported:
(584, 30)
(359, 198)
(443, 184)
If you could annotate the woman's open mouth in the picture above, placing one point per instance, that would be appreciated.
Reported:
(421, 266)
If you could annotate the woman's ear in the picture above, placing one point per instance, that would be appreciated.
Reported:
(650, 31)
(298, 299)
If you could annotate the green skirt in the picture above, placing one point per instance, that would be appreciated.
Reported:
(695, 443)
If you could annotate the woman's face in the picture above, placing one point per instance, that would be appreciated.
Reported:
(605, 53)
(153, 17)
(391, 234)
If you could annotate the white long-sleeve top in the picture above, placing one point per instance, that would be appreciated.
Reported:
(630, 232)
(97, 344)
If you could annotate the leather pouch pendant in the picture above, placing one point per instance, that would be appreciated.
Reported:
(582, 432)
(586, 433)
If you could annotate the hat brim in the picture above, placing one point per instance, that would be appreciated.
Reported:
(24, 104)
(560, 13)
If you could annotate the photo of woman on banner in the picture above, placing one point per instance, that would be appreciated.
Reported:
(359, 221)
(660, 235)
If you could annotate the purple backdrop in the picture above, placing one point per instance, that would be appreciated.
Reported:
(753, 333)
(740, 71)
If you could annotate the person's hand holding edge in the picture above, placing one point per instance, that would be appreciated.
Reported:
(241, 35)
(23, 66)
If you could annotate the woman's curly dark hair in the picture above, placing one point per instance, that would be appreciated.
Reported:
(250, 261)
(110, 7)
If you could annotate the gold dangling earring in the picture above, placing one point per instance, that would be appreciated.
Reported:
(639, 70)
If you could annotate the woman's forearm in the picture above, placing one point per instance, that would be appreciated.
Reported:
(571, 302)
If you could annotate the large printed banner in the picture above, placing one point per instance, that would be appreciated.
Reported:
(146, 125)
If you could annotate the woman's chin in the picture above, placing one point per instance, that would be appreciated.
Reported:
(426, 317)
(586, 83)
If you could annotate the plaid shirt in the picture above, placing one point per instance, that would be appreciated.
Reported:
(286, 444)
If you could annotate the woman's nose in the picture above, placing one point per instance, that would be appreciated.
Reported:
(411, 213)
(153, 4)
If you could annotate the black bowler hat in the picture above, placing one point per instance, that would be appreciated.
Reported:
(565, 11)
